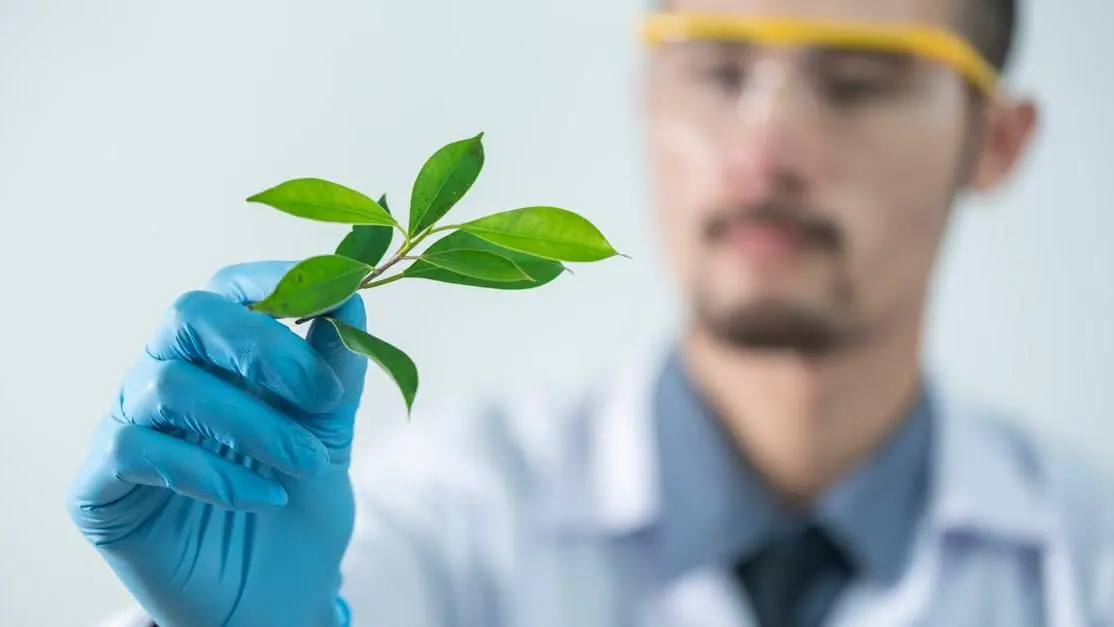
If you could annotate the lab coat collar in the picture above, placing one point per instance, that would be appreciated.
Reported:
(981, 479)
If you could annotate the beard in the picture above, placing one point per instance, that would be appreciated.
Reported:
(772, 327)
(782, 325)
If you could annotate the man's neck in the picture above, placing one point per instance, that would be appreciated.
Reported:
(803, 421)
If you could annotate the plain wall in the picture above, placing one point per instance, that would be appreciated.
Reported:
(131, 132)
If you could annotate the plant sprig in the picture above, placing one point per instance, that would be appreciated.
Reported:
(517, 249)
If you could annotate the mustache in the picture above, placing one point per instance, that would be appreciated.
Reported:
(815, 231)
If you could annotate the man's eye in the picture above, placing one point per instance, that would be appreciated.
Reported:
(847, 91)
(726, 76)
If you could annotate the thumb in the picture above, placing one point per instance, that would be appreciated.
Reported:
(348, 366)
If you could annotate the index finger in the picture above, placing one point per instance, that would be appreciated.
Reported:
(206, 328)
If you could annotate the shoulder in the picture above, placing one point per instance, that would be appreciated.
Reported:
(1078, 490)
(1082, 493)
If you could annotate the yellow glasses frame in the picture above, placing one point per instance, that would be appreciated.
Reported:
(925, 41)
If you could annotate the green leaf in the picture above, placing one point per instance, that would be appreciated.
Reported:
(546, 232)
(541, 271)
(324, 201)
(313, 287)
(478, 264)
(367, 243)
(443, 180)
(394, 362)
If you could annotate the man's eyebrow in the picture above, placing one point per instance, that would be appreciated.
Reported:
(723, 46)
(894, 60)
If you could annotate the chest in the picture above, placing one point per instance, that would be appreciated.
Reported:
(595, 583)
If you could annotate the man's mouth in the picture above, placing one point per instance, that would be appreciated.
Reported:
(767, 241)
(768, 236)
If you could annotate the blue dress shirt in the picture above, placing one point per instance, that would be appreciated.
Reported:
(717, 510)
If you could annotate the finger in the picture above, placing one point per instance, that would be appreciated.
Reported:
(205, 327)
(178, 395)
(131, 455)
(349, 367)
(247, 283)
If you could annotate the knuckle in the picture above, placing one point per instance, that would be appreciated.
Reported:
(167, 385)
(184, 311)
(184, 303)
(167, 379)
(146, 391)
(125, 442)
(227, 276)
(183, 325)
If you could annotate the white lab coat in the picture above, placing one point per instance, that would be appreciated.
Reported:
(529, 514)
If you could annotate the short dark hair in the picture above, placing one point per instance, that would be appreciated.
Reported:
(992, 26)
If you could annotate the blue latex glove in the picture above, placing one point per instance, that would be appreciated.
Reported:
(217, 488)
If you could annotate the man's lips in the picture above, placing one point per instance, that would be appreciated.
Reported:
(766, 242)
(771, 231)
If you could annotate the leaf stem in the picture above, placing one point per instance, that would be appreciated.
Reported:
(447, 227)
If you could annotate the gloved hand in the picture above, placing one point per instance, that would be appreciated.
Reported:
(217, 487)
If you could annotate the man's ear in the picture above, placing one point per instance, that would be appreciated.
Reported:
(1008, 128)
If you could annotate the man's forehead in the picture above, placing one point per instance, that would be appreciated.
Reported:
(924, 12)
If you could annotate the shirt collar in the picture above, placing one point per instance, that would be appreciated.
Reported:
(979, 478)
(875, 509)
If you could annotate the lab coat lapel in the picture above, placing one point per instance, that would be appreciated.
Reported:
(707, 597)
(623, 468)
(982, 487)
(624, 483)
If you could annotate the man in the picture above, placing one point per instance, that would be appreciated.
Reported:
(788, 462)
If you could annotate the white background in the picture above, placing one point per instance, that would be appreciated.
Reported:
(131, 132)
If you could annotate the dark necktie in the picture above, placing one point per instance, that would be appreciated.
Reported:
(804, 571)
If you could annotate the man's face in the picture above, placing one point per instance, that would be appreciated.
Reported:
(804, 192)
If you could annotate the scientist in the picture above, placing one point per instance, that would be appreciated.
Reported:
(787, 461)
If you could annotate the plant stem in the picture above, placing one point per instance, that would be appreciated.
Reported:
(401, 255)
(385, 281)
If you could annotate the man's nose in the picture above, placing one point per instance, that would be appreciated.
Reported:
(772, 146)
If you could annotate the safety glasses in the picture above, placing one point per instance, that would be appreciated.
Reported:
(927, 42)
